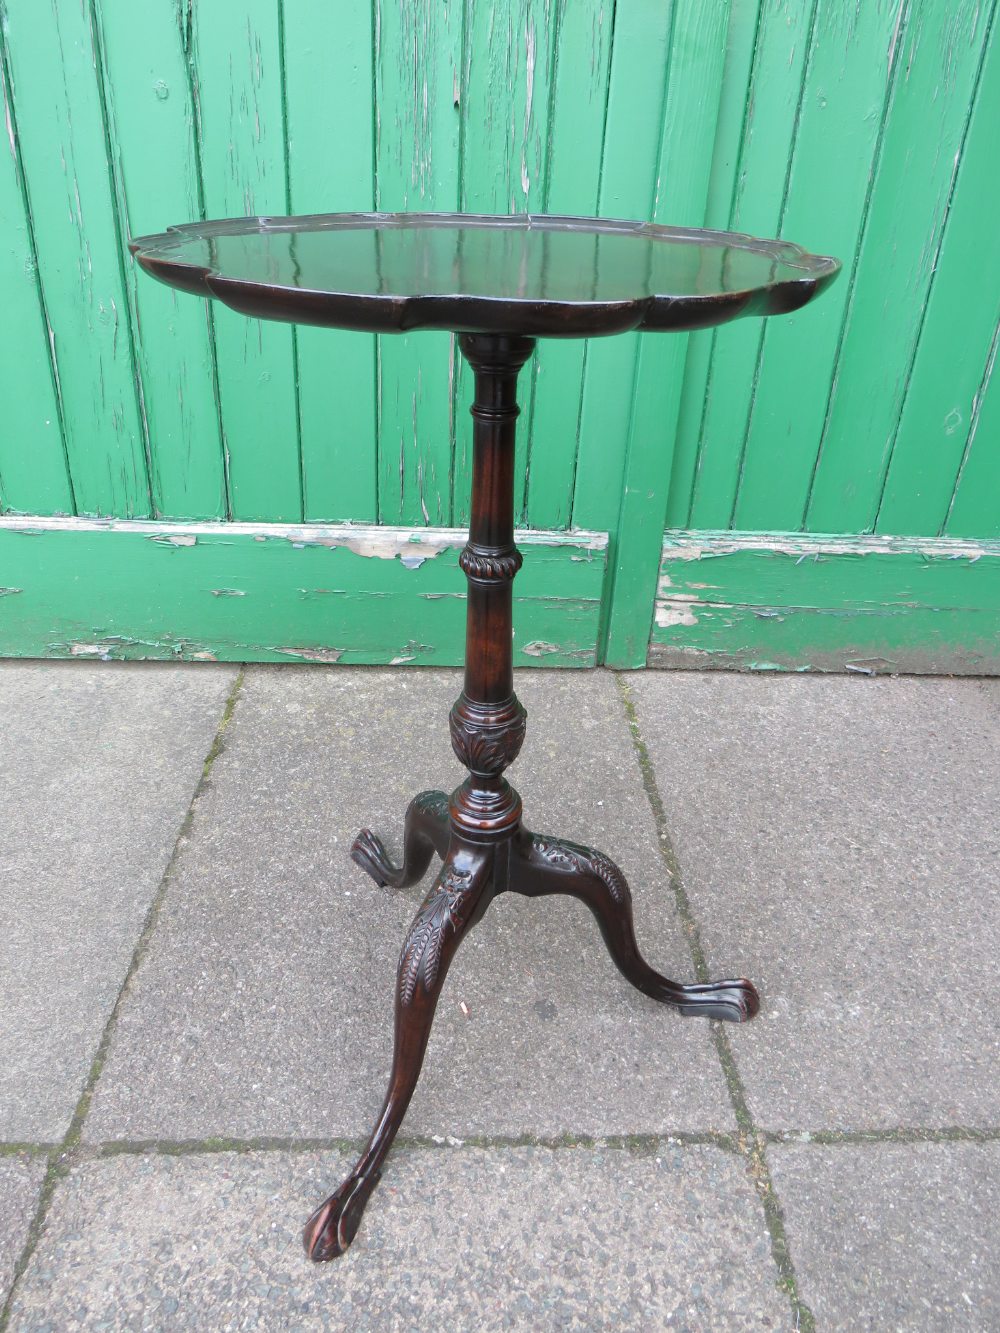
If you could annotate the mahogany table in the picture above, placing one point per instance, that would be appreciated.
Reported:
(499, 283)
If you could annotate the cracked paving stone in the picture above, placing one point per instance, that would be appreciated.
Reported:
(463, 1238)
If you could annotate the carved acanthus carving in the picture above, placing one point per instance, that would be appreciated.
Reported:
(487, 740)
(570, 856)
(446, 909)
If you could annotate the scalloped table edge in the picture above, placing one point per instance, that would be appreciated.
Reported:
(461, 312)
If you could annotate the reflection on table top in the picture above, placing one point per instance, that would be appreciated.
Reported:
(525, 273)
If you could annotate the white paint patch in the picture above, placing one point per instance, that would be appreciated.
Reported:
(8, 122)
(675, 611)
(176, 539)
(539, 648)
(313, 654)
(386, 547)
(707, 545)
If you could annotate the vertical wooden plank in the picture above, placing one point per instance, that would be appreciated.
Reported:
(576, 140)
(847, 80)
(975, 507)
(34, 478)
(929, 108)
(690, 120)
(237, 70)
(774, 94)
(959, 329)
(636, 92)
(80, 248)
(418, 80)
(328, 76)
(154, 162)
(741, 41)
(507, 71)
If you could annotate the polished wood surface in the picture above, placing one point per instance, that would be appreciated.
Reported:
(496, 282)
(520, 274)
(478, 832)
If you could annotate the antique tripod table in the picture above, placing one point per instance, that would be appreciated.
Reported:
(499, 283)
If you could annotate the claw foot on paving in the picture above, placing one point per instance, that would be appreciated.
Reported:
(734, 1001)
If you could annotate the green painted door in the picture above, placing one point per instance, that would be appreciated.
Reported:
(821, 490)
(820, 508)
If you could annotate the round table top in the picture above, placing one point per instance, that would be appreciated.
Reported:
(526, 274)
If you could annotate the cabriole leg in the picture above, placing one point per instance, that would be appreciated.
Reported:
(457, 900)
(542, 865)
(478, 831)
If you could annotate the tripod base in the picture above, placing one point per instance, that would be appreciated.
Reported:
(477, 832)
(471, 875)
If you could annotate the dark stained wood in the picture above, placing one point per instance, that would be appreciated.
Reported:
(425, 831)
(523, 274)
(458, 898)
(542, 865)
(478, 832)
(497, 282)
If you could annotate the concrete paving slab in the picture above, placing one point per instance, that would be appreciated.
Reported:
(264, 1005)
(894, 1235)
(839, 840)
(20, 1181)
(99, 763)
(454, 1239)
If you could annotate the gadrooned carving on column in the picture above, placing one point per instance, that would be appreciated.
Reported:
(487, 738)
(477, 564)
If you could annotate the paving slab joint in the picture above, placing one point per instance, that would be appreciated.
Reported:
(634, 1143)
(752, 1141)
(639, 1145)
(63, 1156)
(859, 1138)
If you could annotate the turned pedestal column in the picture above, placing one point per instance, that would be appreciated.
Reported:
(512, 279)
(478, 830)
